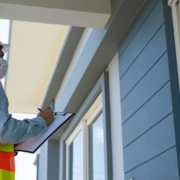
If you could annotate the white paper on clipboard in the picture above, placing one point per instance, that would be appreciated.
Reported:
(32, 144)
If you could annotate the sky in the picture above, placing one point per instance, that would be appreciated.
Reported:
(24, 168)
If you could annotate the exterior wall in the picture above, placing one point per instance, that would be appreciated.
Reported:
(42, 173)
(148, 86)
(60, 160)
(53, 160)
(93, 54)
(116, 127)
(146, 103)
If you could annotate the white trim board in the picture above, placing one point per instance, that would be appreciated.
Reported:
(54, 16)
(175, 7)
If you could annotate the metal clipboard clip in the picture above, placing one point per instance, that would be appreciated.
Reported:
(59, 113)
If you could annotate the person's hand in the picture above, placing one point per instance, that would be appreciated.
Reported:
(48, 116)
(15, 153)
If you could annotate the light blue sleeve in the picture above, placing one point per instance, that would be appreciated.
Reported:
(13, 131)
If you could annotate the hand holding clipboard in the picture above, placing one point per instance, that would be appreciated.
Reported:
(32, 144)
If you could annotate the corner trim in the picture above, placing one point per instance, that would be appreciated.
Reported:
(170, 2)
(173, 73)
(175, 8)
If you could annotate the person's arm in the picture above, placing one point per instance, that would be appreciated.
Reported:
(13, 131)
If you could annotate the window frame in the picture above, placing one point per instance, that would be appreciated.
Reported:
(101, 86)
(83, 127)
(68, 143)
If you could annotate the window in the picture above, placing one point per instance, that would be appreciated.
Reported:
(96, 144)
(75, 155)
(85, 147)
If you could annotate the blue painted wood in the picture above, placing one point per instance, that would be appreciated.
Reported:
(157, 140)
(163, 167)
(151, 113)
(150, 97)
(153, 51)
(141, 17)
(140, 40)
(146, 88)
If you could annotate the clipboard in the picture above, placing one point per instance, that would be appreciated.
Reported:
(31, 145)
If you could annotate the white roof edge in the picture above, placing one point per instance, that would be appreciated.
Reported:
(74, 34)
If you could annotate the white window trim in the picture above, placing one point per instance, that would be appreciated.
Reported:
(68, 142)
(94, 110)
(88, 118)
(175, 7)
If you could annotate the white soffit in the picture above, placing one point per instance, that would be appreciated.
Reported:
(35, 48)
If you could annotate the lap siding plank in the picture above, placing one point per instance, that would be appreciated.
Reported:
(141, 39)
(141, 17)
(155, 79)
(162, 167)
(160, 138)
(151, 54)
(149, 115)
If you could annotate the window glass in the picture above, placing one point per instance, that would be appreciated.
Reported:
(76, 158)
(98, 149)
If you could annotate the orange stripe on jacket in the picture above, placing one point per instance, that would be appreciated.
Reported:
(7, 161)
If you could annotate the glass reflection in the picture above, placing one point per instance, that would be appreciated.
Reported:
(98, 149)
(76, 158)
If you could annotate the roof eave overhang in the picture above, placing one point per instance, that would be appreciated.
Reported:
(70, 44)
(105, 46)
(123, 14)
(106, 42)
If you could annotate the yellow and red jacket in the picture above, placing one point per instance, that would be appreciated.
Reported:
(7, 162)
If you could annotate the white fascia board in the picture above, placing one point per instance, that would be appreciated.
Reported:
(54, 16)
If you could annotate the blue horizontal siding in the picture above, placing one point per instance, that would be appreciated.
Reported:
(142, 37)
(149, 95)
(150, 55)
(149, 115)
(162, 167)
(146, 88)
(155, 141)
(141, 17)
